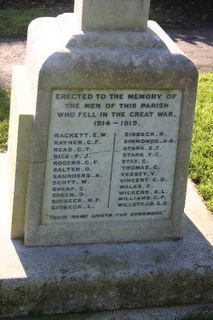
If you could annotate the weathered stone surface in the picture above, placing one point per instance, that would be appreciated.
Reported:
(60, 58)
(108, 277)
(112, 14)
(96, 52)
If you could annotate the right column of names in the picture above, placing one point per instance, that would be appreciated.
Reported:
(147, 162)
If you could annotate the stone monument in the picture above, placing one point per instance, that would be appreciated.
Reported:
(107, 102)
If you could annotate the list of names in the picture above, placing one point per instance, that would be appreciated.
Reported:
(111, 155)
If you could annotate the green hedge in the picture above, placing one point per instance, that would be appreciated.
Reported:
(31, 3)
(187, 7)
(199, 4)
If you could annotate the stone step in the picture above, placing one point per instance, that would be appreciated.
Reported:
(101, 277)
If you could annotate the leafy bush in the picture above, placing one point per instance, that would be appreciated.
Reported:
(197, 9)
(30, 3)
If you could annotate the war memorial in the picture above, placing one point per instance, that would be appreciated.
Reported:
(99, 142)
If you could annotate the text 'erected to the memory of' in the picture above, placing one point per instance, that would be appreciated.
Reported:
(111, 155)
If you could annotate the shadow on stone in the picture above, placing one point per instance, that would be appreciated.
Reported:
(109, 277)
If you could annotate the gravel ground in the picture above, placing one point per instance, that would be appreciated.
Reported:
(12, 51)
(197, 44)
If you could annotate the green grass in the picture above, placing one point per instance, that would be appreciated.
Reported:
(4, 116)
(14, 22)
(201, 164)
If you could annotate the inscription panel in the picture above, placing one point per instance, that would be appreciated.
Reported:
(111, 155)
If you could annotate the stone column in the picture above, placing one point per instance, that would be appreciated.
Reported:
(108, 15)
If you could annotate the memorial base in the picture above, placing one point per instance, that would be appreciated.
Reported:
(106, 163)
(96, 278)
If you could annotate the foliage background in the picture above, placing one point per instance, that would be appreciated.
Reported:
(194, 9)
(16, 15)
(188, 13)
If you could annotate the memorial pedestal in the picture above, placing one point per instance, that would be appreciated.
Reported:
(112, 125)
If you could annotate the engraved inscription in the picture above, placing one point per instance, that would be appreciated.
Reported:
(111, 155)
